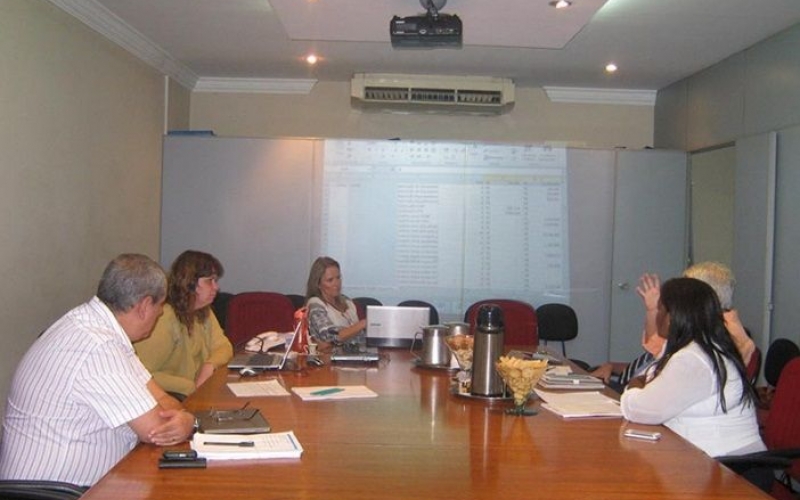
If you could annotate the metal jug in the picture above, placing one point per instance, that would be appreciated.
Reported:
(489, 338)
(434, 348)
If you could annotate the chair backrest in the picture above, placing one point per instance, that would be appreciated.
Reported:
(298, 301)
(362, 303)
(251, 313)
(780, 352)
(557, 322)
(220, 307)
(780, 428)
(519, 319)
(434, 317)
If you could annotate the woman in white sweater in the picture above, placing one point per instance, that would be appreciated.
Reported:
(698, 388)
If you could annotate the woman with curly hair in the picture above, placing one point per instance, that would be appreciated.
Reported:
(698, 388)
(187, 344)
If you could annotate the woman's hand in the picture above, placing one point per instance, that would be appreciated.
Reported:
(204, 374)
(649, 290)
(603, 372)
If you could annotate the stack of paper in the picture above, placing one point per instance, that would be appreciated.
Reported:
(246, 446)
(336, 392)
(571, 381)
(256, 389)
(580, 404)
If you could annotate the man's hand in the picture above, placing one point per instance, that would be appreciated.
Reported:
(177, 427)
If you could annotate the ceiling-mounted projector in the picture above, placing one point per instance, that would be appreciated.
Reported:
(426, 31)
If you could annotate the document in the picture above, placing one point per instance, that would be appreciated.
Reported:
(579, 404)
(334, 392)
(255, 389)
(246, 446)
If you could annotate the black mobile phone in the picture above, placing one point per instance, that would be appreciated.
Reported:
(179, 454)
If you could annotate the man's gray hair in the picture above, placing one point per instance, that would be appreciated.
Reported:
(128, 279)
(718, 276)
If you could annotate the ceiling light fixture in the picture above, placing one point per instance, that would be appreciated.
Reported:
(312, 59)
(611, 68)
(560, 4)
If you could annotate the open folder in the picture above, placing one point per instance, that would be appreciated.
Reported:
(241, 421)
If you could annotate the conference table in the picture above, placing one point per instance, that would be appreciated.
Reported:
(418, 440)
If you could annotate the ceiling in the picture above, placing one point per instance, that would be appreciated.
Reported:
(654, 42)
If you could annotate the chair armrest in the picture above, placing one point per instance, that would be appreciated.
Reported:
(772, 459)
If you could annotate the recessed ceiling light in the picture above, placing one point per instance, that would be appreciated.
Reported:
(611, 68)
(560, 4)
(312, 59)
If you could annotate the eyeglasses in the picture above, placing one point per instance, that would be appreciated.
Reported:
(242, 413)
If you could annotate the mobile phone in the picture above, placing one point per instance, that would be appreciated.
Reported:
(180, 454)
(646, 435)
(196, 463)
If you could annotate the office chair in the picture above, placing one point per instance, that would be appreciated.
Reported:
(298, 301)
(362, 303)
(557, 323)
(220, 307)
(251, 313)
(781, 435)
(519, 320)
(434, 316)
(39, 490)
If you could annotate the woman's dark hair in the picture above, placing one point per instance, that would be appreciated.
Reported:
(189, 267)
(696, 316)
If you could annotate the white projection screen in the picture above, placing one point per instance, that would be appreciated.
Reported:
(450, 223)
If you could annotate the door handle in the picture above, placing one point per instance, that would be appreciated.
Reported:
(623, 286)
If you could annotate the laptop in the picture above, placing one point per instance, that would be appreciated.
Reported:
(395, 326)
(271, 360)
(355, 353)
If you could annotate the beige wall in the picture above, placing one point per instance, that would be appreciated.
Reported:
(178, 102)
(326, 112)
(80, 156)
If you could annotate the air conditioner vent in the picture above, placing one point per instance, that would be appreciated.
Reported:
(427, 93)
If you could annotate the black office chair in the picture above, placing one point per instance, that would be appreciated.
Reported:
(39, 490)
(559, 323)
(434, 317)
(362, 303)
(220, 307)
(780, 352)
(298, 301)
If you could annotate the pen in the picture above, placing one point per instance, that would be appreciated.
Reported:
(243, 444)
(324, 392)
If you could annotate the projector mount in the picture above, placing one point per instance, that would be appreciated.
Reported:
(432, 6)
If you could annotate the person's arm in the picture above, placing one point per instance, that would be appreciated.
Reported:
(155, 351)
(607, 370)
(220, 350)
(649, 290)
(744, 344)
(351, 331)
(165, 424)
(685, 380)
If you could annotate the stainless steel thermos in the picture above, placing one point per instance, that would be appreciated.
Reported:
(489, 338)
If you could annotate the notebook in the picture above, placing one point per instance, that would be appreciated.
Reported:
(263, 360)
(395, 326)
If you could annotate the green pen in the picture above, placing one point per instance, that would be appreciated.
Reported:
(325, 392)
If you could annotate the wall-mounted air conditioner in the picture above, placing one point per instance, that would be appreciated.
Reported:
(432, 94)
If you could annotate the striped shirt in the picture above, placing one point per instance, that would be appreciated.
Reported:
(72, 396)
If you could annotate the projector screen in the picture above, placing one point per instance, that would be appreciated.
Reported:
(445, 222)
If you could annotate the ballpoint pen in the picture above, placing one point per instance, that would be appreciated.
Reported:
(324, 392)
(241, 444)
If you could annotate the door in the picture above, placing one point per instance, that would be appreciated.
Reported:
(649, 236)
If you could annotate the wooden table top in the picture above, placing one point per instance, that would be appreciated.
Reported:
(417, 440)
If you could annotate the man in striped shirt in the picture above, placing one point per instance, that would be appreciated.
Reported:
(81, 399)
